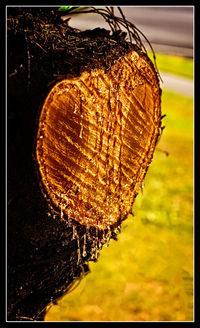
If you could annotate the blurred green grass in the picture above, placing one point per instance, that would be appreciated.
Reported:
(174, 64)
(147, 275)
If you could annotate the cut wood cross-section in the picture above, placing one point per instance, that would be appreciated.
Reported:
(96, 138)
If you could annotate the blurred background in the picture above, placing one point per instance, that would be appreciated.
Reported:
(147, 275)
(170, 29)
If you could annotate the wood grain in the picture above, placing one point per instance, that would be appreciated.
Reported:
(96, 138)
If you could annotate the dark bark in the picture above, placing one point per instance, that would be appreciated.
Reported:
(42, 255)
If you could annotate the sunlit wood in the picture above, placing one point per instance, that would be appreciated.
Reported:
(96, 138)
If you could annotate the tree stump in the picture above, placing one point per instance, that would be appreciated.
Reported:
(96, 138)
(83, 121)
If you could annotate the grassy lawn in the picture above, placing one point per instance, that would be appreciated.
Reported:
(174, 65)
(147, 275)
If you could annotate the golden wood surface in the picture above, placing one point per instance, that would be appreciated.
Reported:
(96, 138)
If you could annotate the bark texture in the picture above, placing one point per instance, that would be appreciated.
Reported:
(55, 147)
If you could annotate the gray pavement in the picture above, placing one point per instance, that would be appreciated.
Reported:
(177, 84)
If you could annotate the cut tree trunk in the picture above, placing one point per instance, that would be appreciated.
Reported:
(96, 137)
(83, 121)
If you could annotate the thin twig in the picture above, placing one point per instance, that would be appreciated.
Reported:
(126, 23)
(115, 22)
(163, 151)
